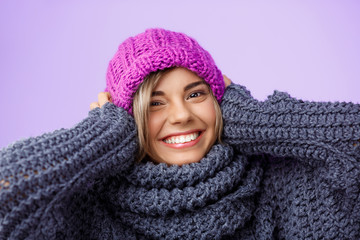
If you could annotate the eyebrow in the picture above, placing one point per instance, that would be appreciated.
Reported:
(157, 93)
(186, 88)
(192, 85)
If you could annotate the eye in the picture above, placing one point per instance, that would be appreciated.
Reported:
(155, 104)
(195, 95)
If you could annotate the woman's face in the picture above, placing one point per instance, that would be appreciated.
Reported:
(182, 118)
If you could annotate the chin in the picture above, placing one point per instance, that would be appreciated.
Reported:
(180, 160)
(188, 161)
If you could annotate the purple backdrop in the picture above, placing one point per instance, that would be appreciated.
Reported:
(54, 54)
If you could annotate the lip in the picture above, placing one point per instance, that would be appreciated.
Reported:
(182, 133)
(183, 145)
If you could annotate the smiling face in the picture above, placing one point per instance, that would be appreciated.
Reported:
(182, 118)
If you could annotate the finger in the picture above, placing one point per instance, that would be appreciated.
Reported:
(103, 98)
(108, 96)
(226, 80)
(94, 105)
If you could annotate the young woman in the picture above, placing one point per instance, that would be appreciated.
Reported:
(172, 155)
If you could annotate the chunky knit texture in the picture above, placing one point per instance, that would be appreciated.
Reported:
(289, 170)
(157, 49)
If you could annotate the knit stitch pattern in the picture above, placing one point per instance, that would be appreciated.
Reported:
(288, 169)
(157, 49)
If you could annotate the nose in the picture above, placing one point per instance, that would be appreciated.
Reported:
(179, 113)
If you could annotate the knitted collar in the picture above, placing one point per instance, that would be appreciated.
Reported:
(207, 199)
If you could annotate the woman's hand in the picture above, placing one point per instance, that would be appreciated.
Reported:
(226, 80)
(103, 98)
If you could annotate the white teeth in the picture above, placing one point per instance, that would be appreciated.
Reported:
(182, 138)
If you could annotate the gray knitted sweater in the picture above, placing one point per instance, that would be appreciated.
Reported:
(288, 169)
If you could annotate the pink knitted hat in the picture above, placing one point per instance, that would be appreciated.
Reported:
(153, 50)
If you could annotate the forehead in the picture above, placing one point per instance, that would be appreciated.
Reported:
(176, 79)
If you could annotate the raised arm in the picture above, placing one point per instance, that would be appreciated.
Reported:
(319, 133)
(269, 126)
(37, 172)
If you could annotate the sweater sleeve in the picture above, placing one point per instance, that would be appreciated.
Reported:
(35, 172)
(325, 133)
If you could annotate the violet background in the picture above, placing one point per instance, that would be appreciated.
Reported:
(54, 54)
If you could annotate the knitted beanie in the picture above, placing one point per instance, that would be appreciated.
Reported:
(157, 49)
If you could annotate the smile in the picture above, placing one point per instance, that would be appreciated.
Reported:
(182, 138)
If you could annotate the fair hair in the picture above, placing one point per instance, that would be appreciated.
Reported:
(141, 105)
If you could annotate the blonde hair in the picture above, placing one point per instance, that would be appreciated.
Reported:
(141, 105)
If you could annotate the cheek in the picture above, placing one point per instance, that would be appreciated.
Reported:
(206, 112)
(154, 125)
